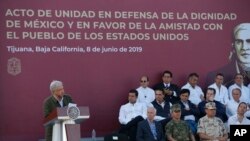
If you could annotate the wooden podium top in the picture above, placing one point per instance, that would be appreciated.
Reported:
(59, 114)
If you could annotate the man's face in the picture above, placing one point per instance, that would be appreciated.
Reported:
(236, 94)
(151, 114)
(166, 78)
(176, 115)
(210, 112)
(144, 82)
(132, 98)
(184, 97)
(159, 96)
(242, 109)
(219, 80)
(193, 81)
(239, 79)
(59, 92)
(210, 95)
(242, 47)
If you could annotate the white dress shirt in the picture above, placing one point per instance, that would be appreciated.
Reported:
(233, 120)
(145, 95)
(221, 94)
(129, 111)
(195, 93)
(245, 93)
(231, 108)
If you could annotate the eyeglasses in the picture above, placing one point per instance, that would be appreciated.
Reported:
(143, 81)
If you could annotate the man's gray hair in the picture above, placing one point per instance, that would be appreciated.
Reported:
(55, 84)
(151, 108)
(242, 26)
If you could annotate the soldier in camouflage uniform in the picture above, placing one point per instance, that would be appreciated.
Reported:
(211, 127)
(177, 129)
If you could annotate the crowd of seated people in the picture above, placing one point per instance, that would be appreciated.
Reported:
(184, 113)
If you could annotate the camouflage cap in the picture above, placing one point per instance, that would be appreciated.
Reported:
(210, 105)
(176, 108)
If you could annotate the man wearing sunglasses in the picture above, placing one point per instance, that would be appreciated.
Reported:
(145, 94)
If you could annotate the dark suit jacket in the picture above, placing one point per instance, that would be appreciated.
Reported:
(220, 110)
(193, 110)
(144, 132)
(172, 87)
(162, 111)
(50, 104)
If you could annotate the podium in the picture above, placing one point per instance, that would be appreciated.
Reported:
(64, 127)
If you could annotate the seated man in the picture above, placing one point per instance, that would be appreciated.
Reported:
(171, 90)
(130, 114)
(196, 93)
(145, 94)
(240, 117)
(220, 108)
(189, 112)
(232, 105)
(162, 107)
(177, 129)
(221, 94)
(211, 127)
(149, 129)
(239, 83)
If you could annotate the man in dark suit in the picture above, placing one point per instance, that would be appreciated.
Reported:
(162, 107)
(58, 98)
(149, 129)
(189, 112)
(171, 90)
(220, 108)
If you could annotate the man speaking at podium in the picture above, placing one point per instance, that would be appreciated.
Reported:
(57, 99)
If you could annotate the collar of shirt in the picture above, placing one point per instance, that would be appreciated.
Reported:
(61, 102)
(189, 85)
(150, 121)
(166, 85)
(162, 104)
(132, 104)
(185, 102)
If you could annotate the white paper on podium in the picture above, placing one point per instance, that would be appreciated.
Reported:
(72, 104)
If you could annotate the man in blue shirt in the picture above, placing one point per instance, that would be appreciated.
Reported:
(149, 129)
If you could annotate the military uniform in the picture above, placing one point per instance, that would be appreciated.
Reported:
(179, 130)
(211, 126)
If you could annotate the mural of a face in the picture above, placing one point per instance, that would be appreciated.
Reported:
(242, 45)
